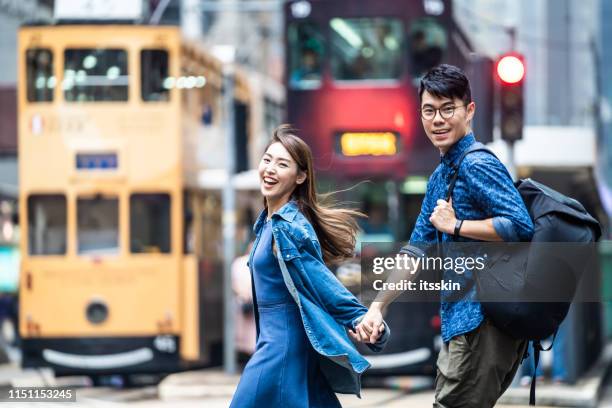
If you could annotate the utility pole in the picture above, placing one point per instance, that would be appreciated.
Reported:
(229, 221)
(511, 165)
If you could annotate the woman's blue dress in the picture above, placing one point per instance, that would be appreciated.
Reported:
(284, 371)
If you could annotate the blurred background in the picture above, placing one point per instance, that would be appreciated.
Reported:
(130, 132)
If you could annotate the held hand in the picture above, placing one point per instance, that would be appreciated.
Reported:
(443, 217)
(370, 328)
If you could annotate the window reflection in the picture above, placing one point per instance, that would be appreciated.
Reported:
(150, 223)
(306, 52)
(95, 75)
(366, 48)
(39, 75)
(98, 226)
(154, 81)
(428, 43)
(47, 224)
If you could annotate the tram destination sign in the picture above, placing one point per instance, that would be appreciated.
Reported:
(96, 161)
(367, 144)
(98, 9)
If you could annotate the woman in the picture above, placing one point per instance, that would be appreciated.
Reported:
(303, 353)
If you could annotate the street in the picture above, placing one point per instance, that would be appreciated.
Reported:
(210, 388)
(147, 396)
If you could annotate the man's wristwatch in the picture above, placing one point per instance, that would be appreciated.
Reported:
(458, 225)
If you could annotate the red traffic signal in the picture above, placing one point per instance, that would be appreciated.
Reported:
(510, 69)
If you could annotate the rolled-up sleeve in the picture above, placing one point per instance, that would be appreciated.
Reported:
(491, 190)
(505, 229)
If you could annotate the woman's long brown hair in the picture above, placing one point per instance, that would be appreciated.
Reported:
(336, 228)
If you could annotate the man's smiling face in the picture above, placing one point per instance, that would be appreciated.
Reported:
(445, 120)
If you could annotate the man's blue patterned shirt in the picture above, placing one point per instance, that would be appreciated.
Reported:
(483, 190)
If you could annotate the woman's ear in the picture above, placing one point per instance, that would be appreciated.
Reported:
(301, 177)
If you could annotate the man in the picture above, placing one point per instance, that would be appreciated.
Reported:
(477, 362)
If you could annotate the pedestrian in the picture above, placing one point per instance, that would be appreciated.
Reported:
(303, 313)
(244, 320)
(477, 361)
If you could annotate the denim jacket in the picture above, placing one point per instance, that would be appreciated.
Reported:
(327, 308)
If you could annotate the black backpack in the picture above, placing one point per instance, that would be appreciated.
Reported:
(556, 218)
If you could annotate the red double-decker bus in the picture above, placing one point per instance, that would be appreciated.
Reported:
(352, 75)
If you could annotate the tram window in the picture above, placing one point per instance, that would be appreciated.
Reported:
(98, 225)
(95, 75)
(150, 223)
(366, 48)
(47, 224)
(154, 81)
(428, 43)
(306, 50)
(189, 209)
(39, 73)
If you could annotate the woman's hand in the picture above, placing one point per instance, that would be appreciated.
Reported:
(371, 326)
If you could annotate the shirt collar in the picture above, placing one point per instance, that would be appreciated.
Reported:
(457, 149)
(287, 212)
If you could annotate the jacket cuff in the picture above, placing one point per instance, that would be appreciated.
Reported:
(505, 229)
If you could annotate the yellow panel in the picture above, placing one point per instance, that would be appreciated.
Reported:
(190, 339)
(140, 294)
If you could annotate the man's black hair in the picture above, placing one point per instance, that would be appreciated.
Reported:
(446, 81)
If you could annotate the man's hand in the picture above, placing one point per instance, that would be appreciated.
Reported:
(371, 326)
(443, 217)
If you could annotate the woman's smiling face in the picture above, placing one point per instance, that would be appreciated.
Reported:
(278, 173)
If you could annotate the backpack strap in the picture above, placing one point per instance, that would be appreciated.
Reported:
(476, 147)
(456, 165)
(537, 348)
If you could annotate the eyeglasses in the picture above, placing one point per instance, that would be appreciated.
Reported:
(447, 112)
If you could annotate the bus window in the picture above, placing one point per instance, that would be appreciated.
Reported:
(427, 45)
(98, 225)
(306, 50)
(150, 223)
(92, 75)
(154, 85)
(47, 224)
(39, 73)
(366, 48)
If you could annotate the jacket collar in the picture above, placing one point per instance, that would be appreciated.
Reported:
(287, 212)
(457, 149)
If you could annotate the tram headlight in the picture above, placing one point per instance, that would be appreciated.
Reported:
(96, 312)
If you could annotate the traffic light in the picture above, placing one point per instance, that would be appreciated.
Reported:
(510, 70)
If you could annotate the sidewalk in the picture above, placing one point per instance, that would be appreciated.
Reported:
(11, 374)
(216, 389)
(585, 393)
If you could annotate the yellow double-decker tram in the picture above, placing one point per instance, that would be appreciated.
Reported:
(121, 267)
